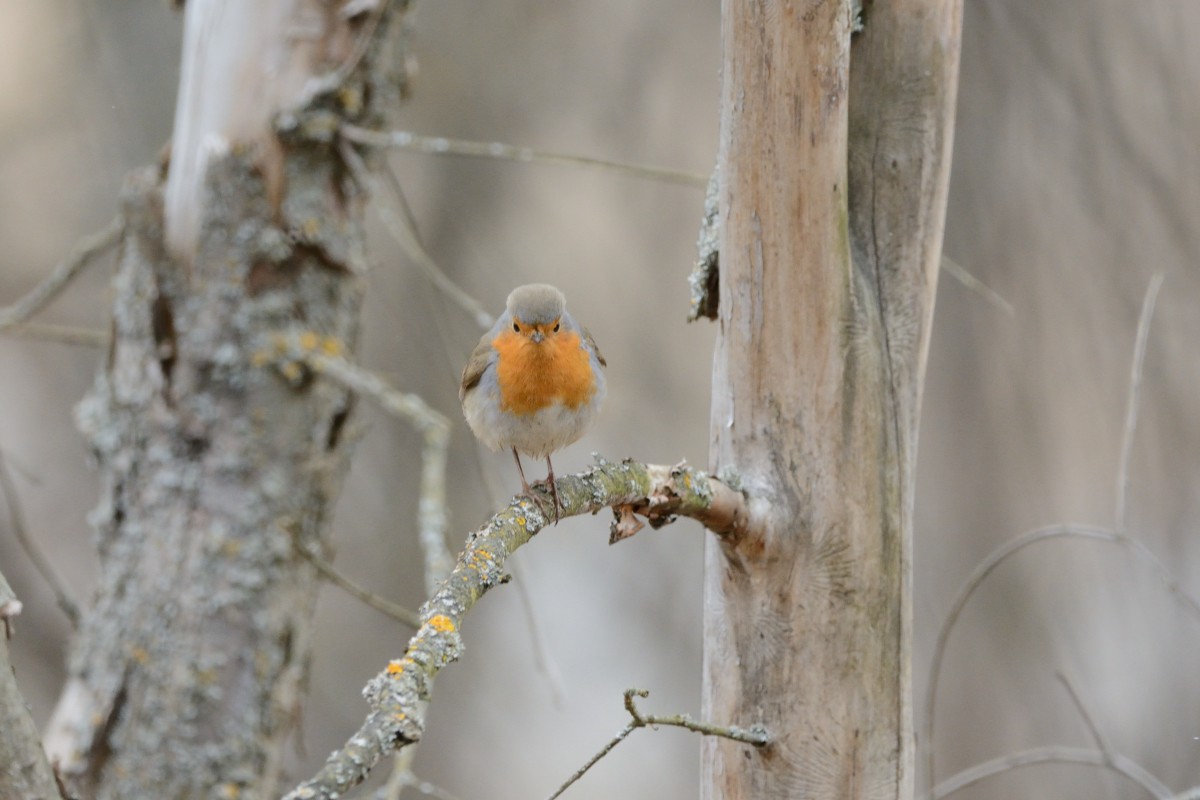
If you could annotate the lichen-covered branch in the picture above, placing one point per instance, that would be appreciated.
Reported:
(24, 770)
(397, 696)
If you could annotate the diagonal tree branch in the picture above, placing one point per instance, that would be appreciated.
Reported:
(397, 696)
(80, 256)
(324, 357)
(442, 146)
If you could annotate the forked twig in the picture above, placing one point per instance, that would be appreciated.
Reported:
(754, 735)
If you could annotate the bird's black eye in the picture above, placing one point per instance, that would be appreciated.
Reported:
(556, 327)
(516, 327)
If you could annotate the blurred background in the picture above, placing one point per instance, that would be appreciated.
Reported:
(1075, 180)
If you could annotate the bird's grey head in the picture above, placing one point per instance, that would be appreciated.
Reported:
(536, 303)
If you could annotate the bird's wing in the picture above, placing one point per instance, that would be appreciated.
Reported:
(476, 364)
(591, 343)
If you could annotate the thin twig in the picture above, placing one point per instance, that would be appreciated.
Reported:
(383, 605)
(1054, 755)
(960, 274)
(1101, 740)
(442, 146)
(406, 235)
(542, 660)
(41, 563)
(80, 256)
(323, 356)
(993, 560)
(1135, 385)
(63, 334)
(591, 762)
(755, 735)
(402, 778)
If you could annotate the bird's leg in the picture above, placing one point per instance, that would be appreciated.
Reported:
(529, 492)
(553, 488)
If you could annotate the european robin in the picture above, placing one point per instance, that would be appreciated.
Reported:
(534, 383)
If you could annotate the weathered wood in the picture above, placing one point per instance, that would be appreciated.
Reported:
(834, 165)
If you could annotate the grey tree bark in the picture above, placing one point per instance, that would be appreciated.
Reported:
(185, 677)
(834, 165)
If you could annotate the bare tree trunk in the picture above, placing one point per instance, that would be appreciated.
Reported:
(834, 165)
(186, 674)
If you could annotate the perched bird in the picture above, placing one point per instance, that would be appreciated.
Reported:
(534, 383)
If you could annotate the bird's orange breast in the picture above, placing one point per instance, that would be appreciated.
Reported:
(534, 375)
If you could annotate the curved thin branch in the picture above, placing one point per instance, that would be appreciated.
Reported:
(398, 695)
(1054, 755)
(998, 556)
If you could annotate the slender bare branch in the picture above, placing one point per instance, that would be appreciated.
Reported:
(1135, 385)
(1101, 740)
(323, 356)
(591, 762)
(397, 696)
(63, 334)
(960, 274)
(997, 557)
(80, 256)
(442, 146)
(755, 735)
(16, 516)
(402, 778)
(383, 605)
(401, 226)
(1053, 755)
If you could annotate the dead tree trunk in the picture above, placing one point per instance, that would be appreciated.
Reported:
(185, 676)
(834, 165)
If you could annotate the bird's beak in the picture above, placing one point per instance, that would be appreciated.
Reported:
(537, 337)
